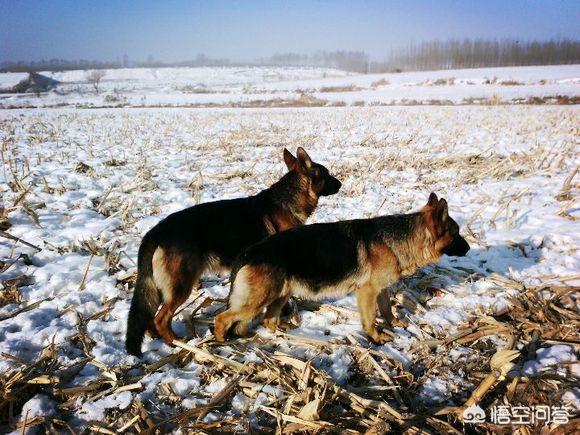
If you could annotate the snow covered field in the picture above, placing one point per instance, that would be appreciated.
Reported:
(83, 186)
(298, 87)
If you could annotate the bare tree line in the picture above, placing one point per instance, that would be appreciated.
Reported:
(478, 53)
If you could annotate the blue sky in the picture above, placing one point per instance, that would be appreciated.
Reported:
(178, 30)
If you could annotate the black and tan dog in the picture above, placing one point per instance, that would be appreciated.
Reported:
(333, 259)
(175, 252)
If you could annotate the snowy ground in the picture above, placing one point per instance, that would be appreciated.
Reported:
(298, 87)
(85, 185)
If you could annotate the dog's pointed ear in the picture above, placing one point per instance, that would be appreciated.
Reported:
(442, 210)
(303, 158)
(433, 200)
(289, 159)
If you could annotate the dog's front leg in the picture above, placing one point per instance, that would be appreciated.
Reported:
(366, 297)
(384, 303)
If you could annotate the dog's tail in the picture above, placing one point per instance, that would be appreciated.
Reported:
(146, 299)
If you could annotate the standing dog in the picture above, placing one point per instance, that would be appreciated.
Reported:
(175, 252)
(332, 259)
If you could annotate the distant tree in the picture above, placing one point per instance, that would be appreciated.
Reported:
(94, 77)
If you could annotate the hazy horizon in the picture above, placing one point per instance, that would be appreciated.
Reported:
(31, 30)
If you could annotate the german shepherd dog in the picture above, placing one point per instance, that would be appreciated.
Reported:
(332, 259)
(209, 236)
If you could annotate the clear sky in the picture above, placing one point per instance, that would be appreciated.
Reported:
(174, 30)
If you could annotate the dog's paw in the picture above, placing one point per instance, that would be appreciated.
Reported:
(271, 323)
(152, 332)
(287, 326)
(398, 323)
(380, 337)
(167, 335)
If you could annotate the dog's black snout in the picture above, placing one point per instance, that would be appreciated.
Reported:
(331, 186)
(458, 248)
(334, 186)
(464, 247)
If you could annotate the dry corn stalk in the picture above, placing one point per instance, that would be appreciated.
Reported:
(501, 363)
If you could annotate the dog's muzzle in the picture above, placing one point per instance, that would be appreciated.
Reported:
(458, 248)
(331, 187)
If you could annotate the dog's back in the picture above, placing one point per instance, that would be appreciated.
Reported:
(219, 229)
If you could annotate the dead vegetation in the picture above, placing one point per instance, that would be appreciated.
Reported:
(449, 81)
(199, 88)
(379, 83)
(511, 83)
(300, 395)
(345, 88)
(306, 99)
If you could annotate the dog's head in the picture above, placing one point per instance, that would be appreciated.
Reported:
(444, 228)
(323, 184)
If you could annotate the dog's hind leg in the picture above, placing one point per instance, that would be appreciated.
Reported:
(242, 318)
(175, 275)
(163, 319)
(242, 327)
(272, 316)
(252, 290)
(152, 331)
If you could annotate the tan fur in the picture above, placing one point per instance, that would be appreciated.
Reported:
(272, 316)
(305, 201)
(283, 220)
(295, 213)
(252, 279)
(421, 248)
(249, 296)
(214, 265)
(161, 274)
(174, 276)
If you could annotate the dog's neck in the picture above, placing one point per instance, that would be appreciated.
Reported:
(292, 201)
(416, 250)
